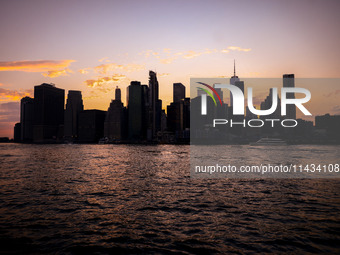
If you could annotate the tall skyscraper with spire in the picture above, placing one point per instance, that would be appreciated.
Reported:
(234, 80)
(155, 107)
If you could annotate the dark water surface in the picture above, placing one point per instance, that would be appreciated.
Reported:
(102, 199)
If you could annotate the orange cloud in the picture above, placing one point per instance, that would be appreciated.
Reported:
(167, 56)
(14, 95)
(192, 54)
(35, 66)
(57, 73)
(105, 68)
(103, 59)
(105, 80)
(167, 60)
(146, 53)
(84, 71)
(238, 48)
(162, 74)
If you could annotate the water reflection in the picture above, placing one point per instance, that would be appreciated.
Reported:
(133, 199)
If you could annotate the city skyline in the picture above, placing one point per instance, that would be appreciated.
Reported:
(93, 47)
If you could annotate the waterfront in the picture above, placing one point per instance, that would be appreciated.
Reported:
(64, 199)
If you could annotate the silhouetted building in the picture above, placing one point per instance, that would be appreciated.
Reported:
(178, 92)
(267, 104)
(91, 125)
(303, 130)
(288, 82)
(186, 113)
(4, 139)
(115, 122)
(145, 110)
(17, 132)
(163, 121)
(331, 124)
(175, 116)
(250, 115)
(178, 118)
(155, 107)
(48, 113)
(26, 119)
(219, 93)
(136, 96)
(74, 105)
(233, 81)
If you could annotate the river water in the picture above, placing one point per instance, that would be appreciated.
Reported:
(126, 199)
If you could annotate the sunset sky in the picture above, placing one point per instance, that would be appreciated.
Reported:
(94, 46)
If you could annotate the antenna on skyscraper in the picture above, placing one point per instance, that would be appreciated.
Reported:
(234, 68)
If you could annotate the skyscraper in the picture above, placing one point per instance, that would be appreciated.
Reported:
(48, 113)
(91, 126)
(219, 92)
(178, 92)
(155, 107)
(26, 119)
(135, 110)
(115, 121)
(178, 111)
(289, 82)
(234, 77)
(74, 105)
(234, 80)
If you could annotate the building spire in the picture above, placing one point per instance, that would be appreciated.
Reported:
(234, 69)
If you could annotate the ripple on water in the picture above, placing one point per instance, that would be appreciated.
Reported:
(86, 199)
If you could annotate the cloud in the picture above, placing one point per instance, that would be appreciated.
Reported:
(84, 71)
(105, 80)
(336, 109)
(192, 54)
(163, 74)
(14, 95)
(333, 93)
(238, 48)
(167, 60)
(105, 68)
(167, 55)
(92, 95)
(35, 66)
(9, 108)
(146, 53)
(57, 73)
(103, 59)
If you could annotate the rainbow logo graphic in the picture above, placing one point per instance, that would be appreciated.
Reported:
(209, 93)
